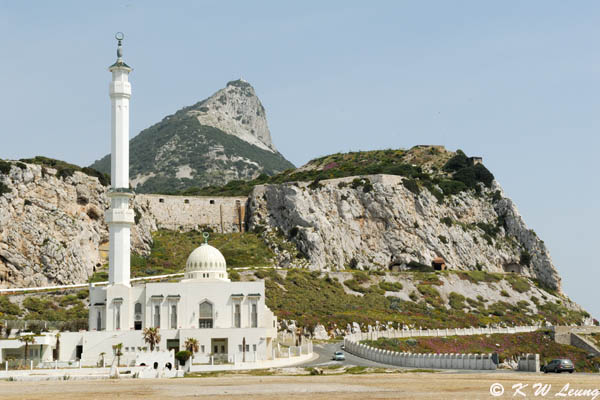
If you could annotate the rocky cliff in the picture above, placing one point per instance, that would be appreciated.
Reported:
(52, 228)
(390, 222)
(223, 138)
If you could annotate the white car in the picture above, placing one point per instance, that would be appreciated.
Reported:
(338, 356)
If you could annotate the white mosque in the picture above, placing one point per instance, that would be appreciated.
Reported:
(229, 320)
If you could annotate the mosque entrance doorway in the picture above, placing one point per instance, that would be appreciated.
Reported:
(220, 350)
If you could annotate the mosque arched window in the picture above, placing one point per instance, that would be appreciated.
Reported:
(205, 319)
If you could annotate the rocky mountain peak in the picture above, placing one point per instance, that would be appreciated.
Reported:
(222, 138)
(237, 111)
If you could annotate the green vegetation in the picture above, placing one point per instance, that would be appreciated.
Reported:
(64, 169)
(311, 298)
(171, 249)
(391, 286)
(4, 189)
(457, 301)
(9, 310)
(480, 276)
(193, 142)
(518, 283)
(66, 312)
(5, 167)
(421, 166)
(506, 345)
(464, 171)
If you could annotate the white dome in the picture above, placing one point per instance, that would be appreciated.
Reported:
(206, 262)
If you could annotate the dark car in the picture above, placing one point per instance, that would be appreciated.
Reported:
(559, 365)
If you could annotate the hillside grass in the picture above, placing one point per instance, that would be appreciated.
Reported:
(313, 297)
(441, 172)
(506, 345)
(65, 311)
(170, 250)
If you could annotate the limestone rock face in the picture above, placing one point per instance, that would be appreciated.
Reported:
(237, 111)
(52, 229)
(386, 226)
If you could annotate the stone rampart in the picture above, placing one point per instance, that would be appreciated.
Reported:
(185, 213)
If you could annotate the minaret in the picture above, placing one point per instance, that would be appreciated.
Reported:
(119, 217)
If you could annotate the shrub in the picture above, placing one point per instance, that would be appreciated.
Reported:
(314, 185)
(457, 301)
(353, 263)
(4, 189)
(456, 163)
(525, 258)
(443, 239)
(8, 308)
(431, 295)
(450, 187)
(391, 286)
(446, 221)
(411, 185)
(93, 213)
(518, 283)
(182, 356)
(504, 293)
(234, 276)
(5, 167)
(489, 229)
(360, 276)
(352, 284)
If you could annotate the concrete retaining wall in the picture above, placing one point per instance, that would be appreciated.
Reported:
(436, 361)
(583, 343)
(409, 333)
(529, 363)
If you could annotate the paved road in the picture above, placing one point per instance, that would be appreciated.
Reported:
(326, 350)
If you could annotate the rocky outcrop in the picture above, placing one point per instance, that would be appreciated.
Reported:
(52, 229)
(237, 110)
(377, 223)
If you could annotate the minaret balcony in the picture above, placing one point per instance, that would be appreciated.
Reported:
(120, 88)
(119, 216)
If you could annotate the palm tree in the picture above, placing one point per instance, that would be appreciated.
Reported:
(152, 337)
(191, 345)
(57, 349)
(27, 339)
(117, 348)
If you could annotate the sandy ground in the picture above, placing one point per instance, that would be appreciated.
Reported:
(371, 386)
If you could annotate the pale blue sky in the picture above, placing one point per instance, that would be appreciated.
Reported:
(515, 82)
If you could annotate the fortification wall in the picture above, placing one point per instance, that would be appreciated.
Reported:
(185, 213)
